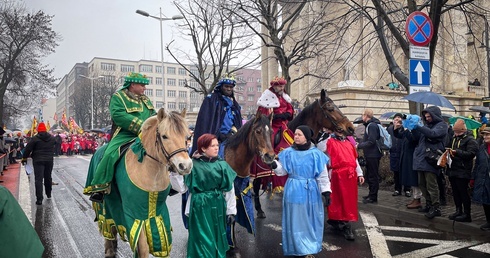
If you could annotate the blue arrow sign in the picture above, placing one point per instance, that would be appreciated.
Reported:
(419, 72)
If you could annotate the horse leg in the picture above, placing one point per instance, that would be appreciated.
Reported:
(256, 186)
(142, 247)
(110, 246)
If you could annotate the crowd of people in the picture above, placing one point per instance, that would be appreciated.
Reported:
(315, 173)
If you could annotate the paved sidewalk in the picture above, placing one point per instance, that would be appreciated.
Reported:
(394, 206)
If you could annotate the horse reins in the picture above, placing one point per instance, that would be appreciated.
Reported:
(329, 117)
(168, 156)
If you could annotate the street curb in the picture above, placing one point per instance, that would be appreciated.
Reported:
(417, 218)
(25, 193)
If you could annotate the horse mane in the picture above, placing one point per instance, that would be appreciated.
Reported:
(302, 116)
(173, 121)
(240, 136)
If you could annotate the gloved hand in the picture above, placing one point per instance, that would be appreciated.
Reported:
(284, 116)
(24, 162)
(472, 183)
(230, 219)
(327, 198)
(222, 137)
(273, 165)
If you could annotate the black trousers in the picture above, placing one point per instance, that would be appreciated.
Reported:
(461, 196)
(398, 183)
(486, 209)
(372, 176)
(42, 172)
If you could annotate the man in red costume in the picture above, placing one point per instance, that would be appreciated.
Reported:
(276, 101)
(345, 173)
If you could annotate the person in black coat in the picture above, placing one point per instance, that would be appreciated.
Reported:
(372, 153)
(395, 154)
(41, 149)
(463, 148)
(481, 177)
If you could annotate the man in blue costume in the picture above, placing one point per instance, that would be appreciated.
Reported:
(219, 114)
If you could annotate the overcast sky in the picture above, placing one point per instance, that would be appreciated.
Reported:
(105, 28)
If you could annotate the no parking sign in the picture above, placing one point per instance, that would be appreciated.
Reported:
(419, 28)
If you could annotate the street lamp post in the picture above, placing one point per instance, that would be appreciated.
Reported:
(91, 96)
(161, 19)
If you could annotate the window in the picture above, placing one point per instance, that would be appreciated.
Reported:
(158, 81)
(182, 105)
(109, 79)
(171, 93)
(239, 79)
(250, 79)
(127, 68)
(239, 88)
(240, 98)
(182, 94)
(250, 98)
(158, 69)
(194, 71)
(259, 88)
(181, 83)
(159, 93)
(170, 82)
(146, 68)
(182, 71)
(171, 105)
(259, 80)
(194, 84)
(171, 70)
(107, 66)
(150, 79)
(194, 95)
(158, 104)
(149, 92)
(250, 89)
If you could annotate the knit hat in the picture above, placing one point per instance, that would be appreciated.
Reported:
(308, 133)
(135, 78)
(459, 126)
(41, 128)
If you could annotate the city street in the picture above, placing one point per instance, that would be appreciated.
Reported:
(66, 227)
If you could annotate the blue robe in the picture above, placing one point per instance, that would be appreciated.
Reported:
(303, 212)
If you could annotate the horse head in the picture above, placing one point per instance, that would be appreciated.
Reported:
(167, 143)
(260, 137)
(331, 116)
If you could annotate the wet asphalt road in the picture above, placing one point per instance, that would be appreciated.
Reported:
(66, 228)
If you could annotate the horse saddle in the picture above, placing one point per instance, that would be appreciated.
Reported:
(125, 147)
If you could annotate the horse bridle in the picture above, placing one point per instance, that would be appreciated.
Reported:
(168, 156)
(329, 117)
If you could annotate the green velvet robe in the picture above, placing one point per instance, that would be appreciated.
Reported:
(128, 114)
(207, 183)
(17, 236)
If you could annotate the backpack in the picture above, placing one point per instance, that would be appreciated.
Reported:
(384, 141)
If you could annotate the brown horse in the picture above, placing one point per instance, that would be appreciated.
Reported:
(136, 207)
(322, 113)
(253, 138)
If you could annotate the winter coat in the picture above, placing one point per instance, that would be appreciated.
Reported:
(408, 177)
(432, 135)
(481, 175)
(462, 162)
(368, 143)
(40, 147)
(395, 150)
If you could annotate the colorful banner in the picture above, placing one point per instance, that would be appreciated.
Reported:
(55, 117)
(34, 126)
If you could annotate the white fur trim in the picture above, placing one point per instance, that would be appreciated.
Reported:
(268, 100)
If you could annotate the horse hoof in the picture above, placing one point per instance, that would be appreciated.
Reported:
(260, 215)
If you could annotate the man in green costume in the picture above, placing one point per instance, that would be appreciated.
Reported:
(129, 108)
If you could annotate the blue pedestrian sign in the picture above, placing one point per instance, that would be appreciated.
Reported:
(419, 72)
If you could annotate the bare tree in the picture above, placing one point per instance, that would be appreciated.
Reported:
(81, 100)
(25, 38)
(218, 39)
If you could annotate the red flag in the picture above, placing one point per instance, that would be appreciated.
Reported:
(63, 119)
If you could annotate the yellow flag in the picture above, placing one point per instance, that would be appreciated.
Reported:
(48, 126)
(33, 126)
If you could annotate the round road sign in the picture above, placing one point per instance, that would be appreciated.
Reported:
(419, 28)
